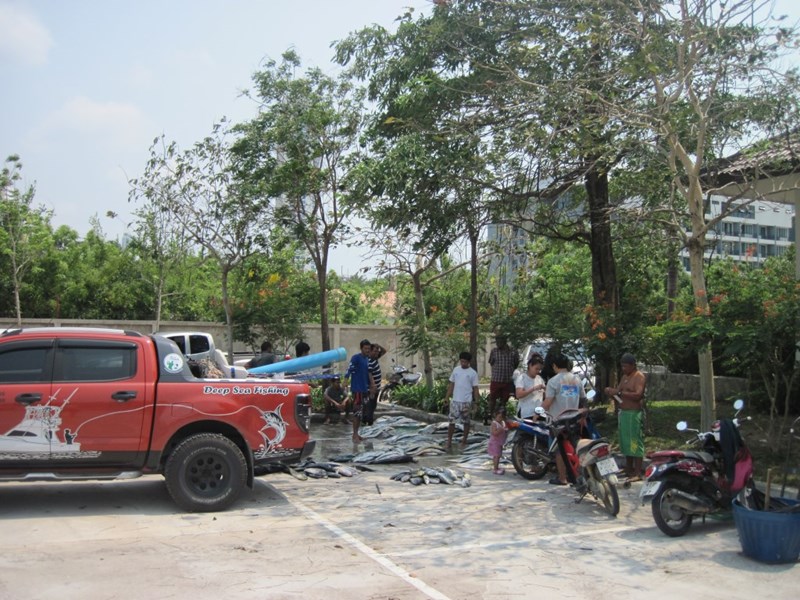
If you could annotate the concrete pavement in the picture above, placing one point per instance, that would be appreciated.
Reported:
(366, 537)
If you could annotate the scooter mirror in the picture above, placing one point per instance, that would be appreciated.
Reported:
(739, 404)
(590, 395)
(682, 426)
(539, 411)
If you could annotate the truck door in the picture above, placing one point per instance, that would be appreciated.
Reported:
(25, 431)
(102, 391)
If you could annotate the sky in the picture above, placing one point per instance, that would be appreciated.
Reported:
(87, 85)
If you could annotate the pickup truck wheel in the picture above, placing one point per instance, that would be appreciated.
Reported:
(206, 472)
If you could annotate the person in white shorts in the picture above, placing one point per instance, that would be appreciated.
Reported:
(463, 389)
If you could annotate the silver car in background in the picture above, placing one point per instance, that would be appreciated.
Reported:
(582, 363)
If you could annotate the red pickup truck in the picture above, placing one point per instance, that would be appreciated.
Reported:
(81, 403)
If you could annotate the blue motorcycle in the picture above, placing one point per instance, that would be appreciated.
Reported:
(530, 452)
(533, 450)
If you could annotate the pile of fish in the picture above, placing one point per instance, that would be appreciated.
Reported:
(429, 475)
(384, 427)
(321, 470)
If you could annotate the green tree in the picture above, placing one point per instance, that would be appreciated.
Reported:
(299, 151)
(25, 235)
(522, 83)
(713, 81)
(358, 299)
(406, 258)
(550, 301)
(273, 296)
(159, 239)
(202, 189)
(754, 313)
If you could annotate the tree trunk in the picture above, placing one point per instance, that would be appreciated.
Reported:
(422, 324)
(473, 296)
(672, 282)
(325, 333)
(708, 409)
(17, 304)
(160, 303)
(605, 289)
(226, 304)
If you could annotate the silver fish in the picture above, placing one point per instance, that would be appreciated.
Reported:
(315, 472)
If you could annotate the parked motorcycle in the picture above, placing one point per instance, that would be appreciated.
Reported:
(530, 451)
(400, 376)
(683, 484)
(591, 469)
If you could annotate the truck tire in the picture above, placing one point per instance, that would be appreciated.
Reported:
(205, 473)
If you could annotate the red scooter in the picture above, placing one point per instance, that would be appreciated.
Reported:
(683, 484)
(591, 469)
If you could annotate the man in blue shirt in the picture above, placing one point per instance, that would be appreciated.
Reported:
(361, 384)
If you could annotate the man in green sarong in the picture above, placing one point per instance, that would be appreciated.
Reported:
(629, 395)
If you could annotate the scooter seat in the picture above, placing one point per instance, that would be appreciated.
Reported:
(698, 455)
(584, 445)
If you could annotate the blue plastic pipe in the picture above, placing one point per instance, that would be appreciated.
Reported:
(302, 363)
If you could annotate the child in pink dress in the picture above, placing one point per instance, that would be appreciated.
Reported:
(497, 438)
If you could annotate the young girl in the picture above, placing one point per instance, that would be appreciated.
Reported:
(498, 434)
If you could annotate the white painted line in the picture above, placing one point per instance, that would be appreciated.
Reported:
(381, 559)
(525, 542)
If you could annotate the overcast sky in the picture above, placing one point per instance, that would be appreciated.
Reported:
(88, 84)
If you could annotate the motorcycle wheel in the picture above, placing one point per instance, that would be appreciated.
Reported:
(671, 520)
(385, 395)
(530, 448)
(610, 497)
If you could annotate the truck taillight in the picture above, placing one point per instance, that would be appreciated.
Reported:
(302, 407)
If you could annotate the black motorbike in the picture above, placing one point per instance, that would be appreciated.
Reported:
(683, 484)
(400, 376)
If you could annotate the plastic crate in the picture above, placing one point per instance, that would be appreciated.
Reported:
(769, 537)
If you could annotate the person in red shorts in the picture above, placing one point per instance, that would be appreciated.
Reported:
(503, 360)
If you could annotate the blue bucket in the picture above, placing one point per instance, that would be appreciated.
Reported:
(768, 537)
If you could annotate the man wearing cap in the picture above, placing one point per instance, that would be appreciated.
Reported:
(361, 384)
(628, 396)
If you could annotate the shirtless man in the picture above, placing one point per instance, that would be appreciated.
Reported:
(628, 396)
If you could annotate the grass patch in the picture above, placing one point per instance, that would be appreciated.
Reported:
(662, 434)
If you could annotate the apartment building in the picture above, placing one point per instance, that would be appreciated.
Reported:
(751, 234)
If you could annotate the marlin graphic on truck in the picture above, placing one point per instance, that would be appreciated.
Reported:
(81, 403)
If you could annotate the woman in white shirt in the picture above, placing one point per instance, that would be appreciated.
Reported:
(530, 387)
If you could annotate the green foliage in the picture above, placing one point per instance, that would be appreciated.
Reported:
(550, 300)
(298, 153)
(754, 312)
(447, 304)
(354, 300)
(422, 397)
(272, 298)
(317, 399)
(25, 232)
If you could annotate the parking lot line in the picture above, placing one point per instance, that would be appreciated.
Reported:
(381, 559)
